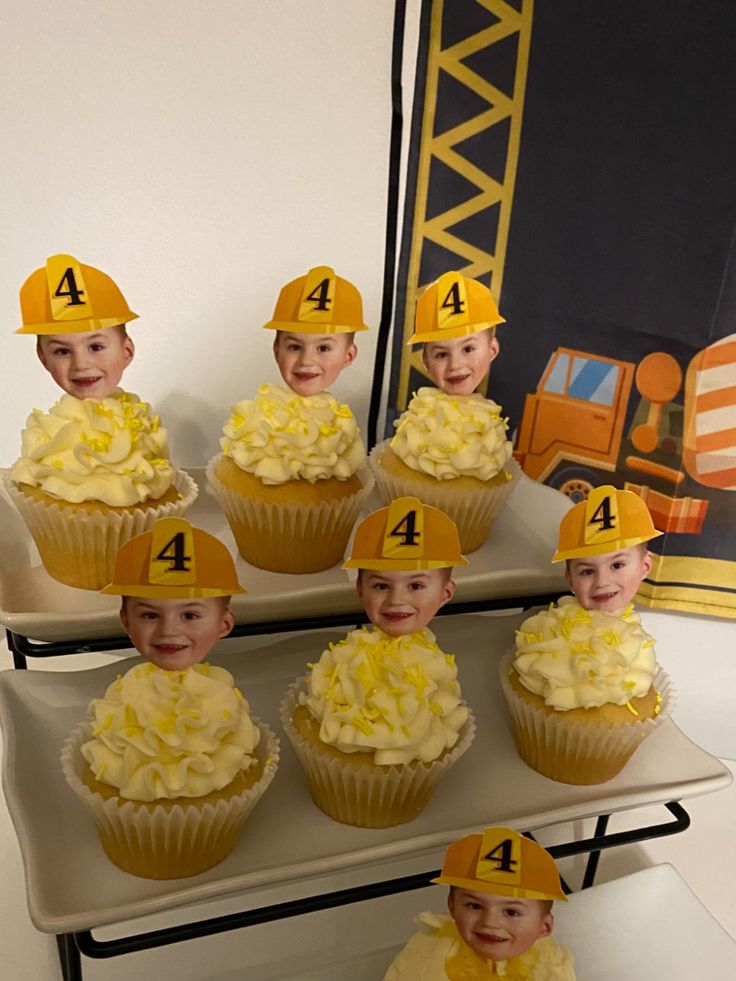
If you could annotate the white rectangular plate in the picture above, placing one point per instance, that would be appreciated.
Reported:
(515, 561)
(71, 885)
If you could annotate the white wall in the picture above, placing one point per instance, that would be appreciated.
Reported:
(203, 154)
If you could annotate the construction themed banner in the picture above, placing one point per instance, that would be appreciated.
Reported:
(579, 159)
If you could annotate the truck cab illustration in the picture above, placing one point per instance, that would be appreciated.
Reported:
(582, 425)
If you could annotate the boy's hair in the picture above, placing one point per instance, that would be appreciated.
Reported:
(446, 570)
(225, 601)
(546, 904)
(349, 336)
(120, 328)
(641, 547)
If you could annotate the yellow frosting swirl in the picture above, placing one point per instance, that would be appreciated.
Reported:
(280, 436)
(577, 658)
(163, 734)
(398, 696)
(111, 450)
(447, 436)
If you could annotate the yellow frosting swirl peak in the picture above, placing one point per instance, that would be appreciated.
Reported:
(280, 436)
(447, 436)
(398, 696)
(163, 734)
(577, 658)
(111, 450)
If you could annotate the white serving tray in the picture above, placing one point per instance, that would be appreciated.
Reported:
(515, 561)
(72, 886)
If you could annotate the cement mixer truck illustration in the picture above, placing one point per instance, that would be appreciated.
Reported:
(593, 416)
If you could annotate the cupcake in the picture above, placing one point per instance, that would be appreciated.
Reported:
(452, 453)
(92, 474)
(584, 689)
(376, 724)
(171, 765)
(291, 479)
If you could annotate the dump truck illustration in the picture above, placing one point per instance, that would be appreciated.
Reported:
(596, 420)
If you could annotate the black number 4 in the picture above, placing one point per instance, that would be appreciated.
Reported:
(501, 855)
(406, 529)
(72, 290)
(602, 515)
(320, 295)
(453, 300)
(173, 551)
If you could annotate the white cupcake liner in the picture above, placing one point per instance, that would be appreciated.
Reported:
(362, 796)
(573, 752)
(294, 538)
(473, 511)
(78, 547)
(160, 844)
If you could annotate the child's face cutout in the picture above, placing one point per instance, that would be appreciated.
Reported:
(175, 634)
(401, 602)
(457, 366)
(310, 363)
(608, 582)
(497, 927)
(88, 365)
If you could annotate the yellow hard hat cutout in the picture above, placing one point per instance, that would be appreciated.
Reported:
(319, 303)
(609, 520)
(174, 560)
(68, 297)
(454, 306)
(406, 536)
(502, 862)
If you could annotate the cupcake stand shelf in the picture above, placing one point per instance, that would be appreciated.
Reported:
(44, 618)
(287, 840)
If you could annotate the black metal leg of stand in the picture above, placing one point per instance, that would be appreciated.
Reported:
(591, 866)
(19, 659)
(71, 962)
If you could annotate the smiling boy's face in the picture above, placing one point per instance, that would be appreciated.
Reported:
(175, 634)
(458, 365)
(608, 582)
(401, 602)
(87, 365)
(310, 363)
(497, 927)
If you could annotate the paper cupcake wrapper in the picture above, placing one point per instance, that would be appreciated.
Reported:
(363, 796)
(473, 511)
(572, 752)
(294, 538)
(79, 547)
(184, 841)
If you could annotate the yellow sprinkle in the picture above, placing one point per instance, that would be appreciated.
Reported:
(131, 718)
(100, 772)
(405, 730)
(107, 722)
(58, 464)
(631, 708)
(225, 714)
(434, 707)
(364, 725)
(310, 665)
